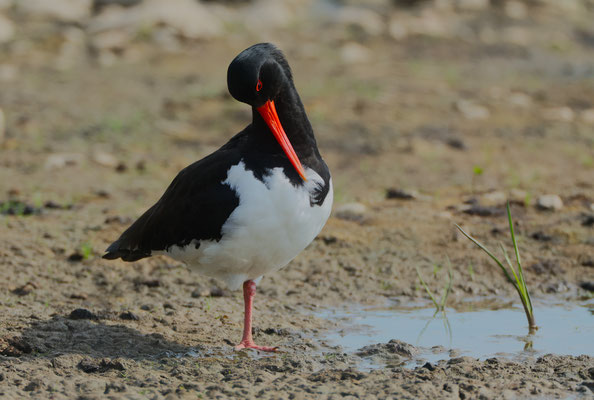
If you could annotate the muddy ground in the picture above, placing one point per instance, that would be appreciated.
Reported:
(428, 115)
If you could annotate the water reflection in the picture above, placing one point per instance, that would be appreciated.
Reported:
(446, 325)
(566, 328)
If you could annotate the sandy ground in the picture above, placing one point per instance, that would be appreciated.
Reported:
(460, 125)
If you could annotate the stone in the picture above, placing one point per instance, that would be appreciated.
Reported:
(74, 49)
(129, 316)
(2, 126)
(393, 349)
(397, 29)
(61, 10)
(112, 40)
(519, 99)
(516, 9)
(519, 196)
(8, 73)
(472, 110)
(61, 160)
(276, 14)
(105, 159)
(517, 35)
(99, 4)
(368, 21)
(587, 116)
(353, 53)
(561, 114)
(6, 29)
(551, 202)
(14, 346)
(351, 211)
(189, 19)
(492, 199)
(401, 194)
(82, 313)
(430, 23)
(472, 5)
(567, 7)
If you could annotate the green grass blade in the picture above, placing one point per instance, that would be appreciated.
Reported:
(516, 250)
(448, 288)
(512, 233)
(526, 296)
(518, 282)
(427, 289)
(515, 281)
(483, 248)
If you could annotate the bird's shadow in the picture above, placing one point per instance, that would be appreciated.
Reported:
(97, 339)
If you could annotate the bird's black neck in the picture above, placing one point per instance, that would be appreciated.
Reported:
(293, 118)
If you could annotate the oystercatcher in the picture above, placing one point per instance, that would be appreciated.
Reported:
(250, 207)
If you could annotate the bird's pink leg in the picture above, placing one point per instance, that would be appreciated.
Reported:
(249, 291)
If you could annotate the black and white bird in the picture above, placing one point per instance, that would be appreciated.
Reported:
(250, 207)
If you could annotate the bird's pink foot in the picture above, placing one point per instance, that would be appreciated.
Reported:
(251, 345)
(249, 291)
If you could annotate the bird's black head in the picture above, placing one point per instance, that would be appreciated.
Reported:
(258, 74)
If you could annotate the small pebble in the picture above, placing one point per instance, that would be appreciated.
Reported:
(587, 116)
(429, 366)
(148, 282)
(75, 257)
(328, 240)
(401, 194)
(31, 386)
(561, 114)
(550, 202)
(588, 220)
(351, 211)
(129, 316)
(471, 110)
(353, 53)
(14, 346)
(587, 262)
(2, 126)
(25, 289)
(541, 236)
(82, 313)
(456, 143)
(217, 292)
(117, 219)
(483, 211)
(105, 159)
(492, 199)
(121, 167)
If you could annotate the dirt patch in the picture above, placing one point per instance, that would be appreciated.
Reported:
(439, 116)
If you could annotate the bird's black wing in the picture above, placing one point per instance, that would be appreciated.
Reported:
(194, 206)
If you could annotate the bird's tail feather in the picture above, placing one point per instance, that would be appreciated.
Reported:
(117, 250)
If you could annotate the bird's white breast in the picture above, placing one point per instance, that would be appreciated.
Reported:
(273, 222)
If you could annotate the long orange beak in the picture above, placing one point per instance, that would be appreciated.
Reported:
(268, 112)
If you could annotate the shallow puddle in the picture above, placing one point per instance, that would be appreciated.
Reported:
(564, 329)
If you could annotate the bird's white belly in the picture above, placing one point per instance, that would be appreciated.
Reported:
(272, 224)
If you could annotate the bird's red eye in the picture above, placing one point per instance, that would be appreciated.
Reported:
(259, 86)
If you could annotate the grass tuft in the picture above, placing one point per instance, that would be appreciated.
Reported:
(86, 250)
(518, 280)
(439, 306)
